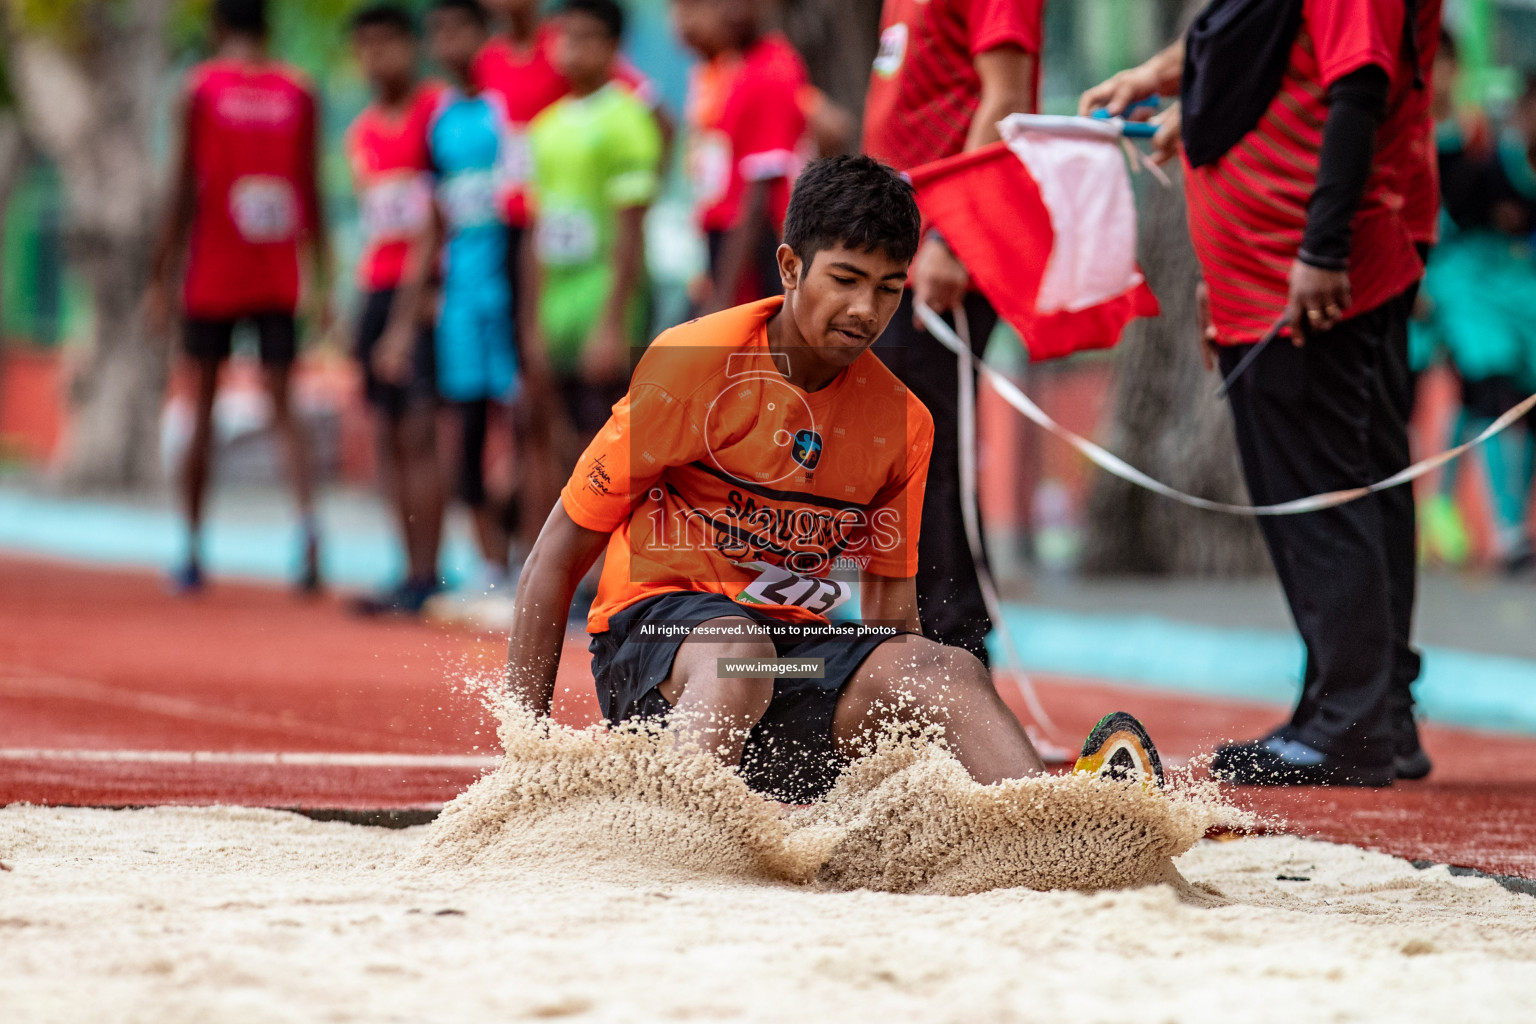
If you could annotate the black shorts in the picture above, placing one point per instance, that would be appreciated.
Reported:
(276, 337)
(420, 388)
(790, 754)
(589, 405)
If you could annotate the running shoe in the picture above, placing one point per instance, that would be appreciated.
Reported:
(406, 599)
(185, 581)
(1119, 748)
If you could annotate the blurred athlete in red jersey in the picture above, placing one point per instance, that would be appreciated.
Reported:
(946, 73)
(244, 196)
(387, 149)
(746, 145)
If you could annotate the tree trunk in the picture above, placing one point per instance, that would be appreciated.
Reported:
(1167, 421)
(88, 107)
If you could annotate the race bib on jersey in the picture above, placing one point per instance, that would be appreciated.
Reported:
(514, 161)
(264, 209)
(776, 585)
(893, 50)
(709, 167)
(396, 207)
(469, 198)
(566, 238)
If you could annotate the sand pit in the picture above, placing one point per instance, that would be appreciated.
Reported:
(231, 915)
(617, 879)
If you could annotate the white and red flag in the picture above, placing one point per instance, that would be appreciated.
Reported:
(1045, 223)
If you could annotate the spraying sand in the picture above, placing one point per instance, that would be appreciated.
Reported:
(615, 878)
(904, 818)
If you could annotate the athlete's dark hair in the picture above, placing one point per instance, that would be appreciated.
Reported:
(243, 17)
(472, 8)
(608, 12)
(385, 15)
(855, 201)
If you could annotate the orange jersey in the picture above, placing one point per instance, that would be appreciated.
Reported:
(715, 474)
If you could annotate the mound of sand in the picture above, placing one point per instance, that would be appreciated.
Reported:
(905, 818)
(236, 916)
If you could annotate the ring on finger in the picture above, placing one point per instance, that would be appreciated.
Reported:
(1333, 310)
(1314, 314)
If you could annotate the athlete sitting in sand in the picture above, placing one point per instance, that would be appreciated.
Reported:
(756, 450)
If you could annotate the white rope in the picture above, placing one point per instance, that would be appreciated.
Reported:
(970, 514)
(1117, 466)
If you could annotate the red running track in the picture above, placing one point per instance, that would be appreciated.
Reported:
(114, 694)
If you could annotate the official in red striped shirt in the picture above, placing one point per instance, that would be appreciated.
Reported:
(947, 71)
(1297, 187)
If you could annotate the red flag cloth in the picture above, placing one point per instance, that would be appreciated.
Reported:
(994, 214)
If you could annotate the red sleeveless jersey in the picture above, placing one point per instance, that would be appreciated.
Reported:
(251, 135)
(390, 163)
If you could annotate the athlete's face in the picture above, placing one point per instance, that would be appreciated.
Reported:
(455, 38)
(585, 51)
(502, 10)
(386, 56)
(702, 25)
(842, 302)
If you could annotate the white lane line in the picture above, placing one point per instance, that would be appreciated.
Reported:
(280, 757)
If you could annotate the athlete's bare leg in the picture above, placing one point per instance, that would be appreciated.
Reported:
(913, 679)
(301, 474)
(717, 713)
(416, 484)
(195, 462)
(285, 424)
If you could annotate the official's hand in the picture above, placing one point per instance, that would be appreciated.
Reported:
(938, 279)
(1207, 328)
(1170, 127)
(1318, 300)
(1119, 91)
(392, 355)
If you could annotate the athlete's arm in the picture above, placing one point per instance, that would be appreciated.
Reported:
(181, 200)
(319, 233)
(392, 358)
(559, 559)
(740, 242)
(605, 355)
(666, 127)
(1007, 85)
(889, 599)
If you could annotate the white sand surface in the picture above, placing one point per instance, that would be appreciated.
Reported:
(602, 877)
(214, 915)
